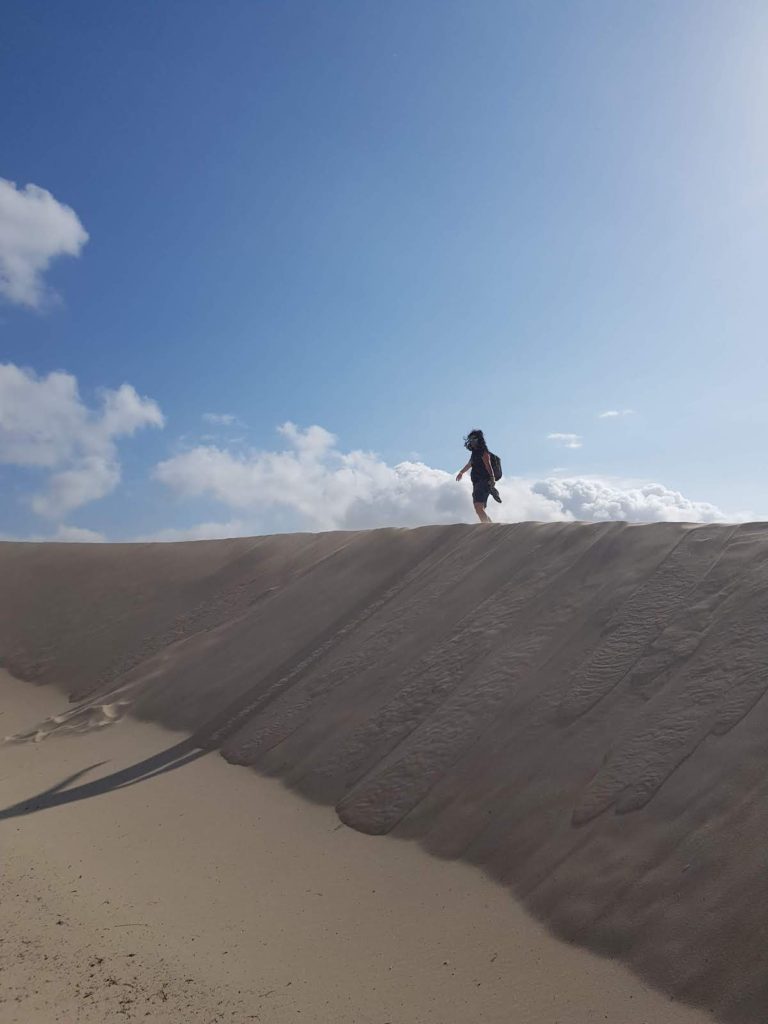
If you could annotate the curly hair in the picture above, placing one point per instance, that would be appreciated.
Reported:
(476, 435)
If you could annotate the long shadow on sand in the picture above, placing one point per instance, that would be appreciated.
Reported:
(166, 760)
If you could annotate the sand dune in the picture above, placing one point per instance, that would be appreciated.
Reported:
(574, 708)
(206, 894)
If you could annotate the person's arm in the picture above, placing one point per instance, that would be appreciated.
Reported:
(464, 470)
(489, 466)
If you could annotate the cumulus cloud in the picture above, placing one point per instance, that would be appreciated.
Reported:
(566, 440)
(588, 499)
(35, 228)
(614, 413)
(324, 487)
(45, 424)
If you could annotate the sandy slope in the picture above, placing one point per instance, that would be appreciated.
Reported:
(575, 708)
(206, 894)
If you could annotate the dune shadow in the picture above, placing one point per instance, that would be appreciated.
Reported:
(167, 760)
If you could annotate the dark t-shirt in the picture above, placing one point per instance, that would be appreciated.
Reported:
(479, 473)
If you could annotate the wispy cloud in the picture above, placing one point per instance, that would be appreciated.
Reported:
(63, 535)
(35, 228)
(222, 419)
(566, 440)
(79, 535)
(614, 413)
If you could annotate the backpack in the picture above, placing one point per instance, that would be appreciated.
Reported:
(496, 466)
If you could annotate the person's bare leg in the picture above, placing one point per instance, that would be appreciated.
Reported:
(482, 515)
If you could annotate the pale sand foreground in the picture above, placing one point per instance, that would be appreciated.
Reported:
(207, 894)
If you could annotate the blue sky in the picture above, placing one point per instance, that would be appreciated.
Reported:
(395, 221)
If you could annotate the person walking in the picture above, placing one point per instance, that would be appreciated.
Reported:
(481, 467)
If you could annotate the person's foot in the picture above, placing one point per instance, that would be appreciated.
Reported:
(495, 495)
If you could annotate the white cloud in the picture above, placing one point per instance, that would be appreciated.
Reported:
(593, 499)
(323, 487)
(613, 413)
(45, 424)
(34, 229)
(221, 419)
(95, 476)
(125, 412)
(566, 440)
(40, 419)
(310, 443)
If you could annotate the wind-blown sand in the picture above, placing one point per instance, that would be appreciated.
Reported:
(574, 708)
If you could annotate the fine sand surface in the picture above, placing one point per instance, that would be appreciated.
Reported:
(207, 894)
(576, 709)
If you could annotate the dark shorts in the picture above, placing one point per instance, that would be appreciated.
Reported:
(481, 493)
